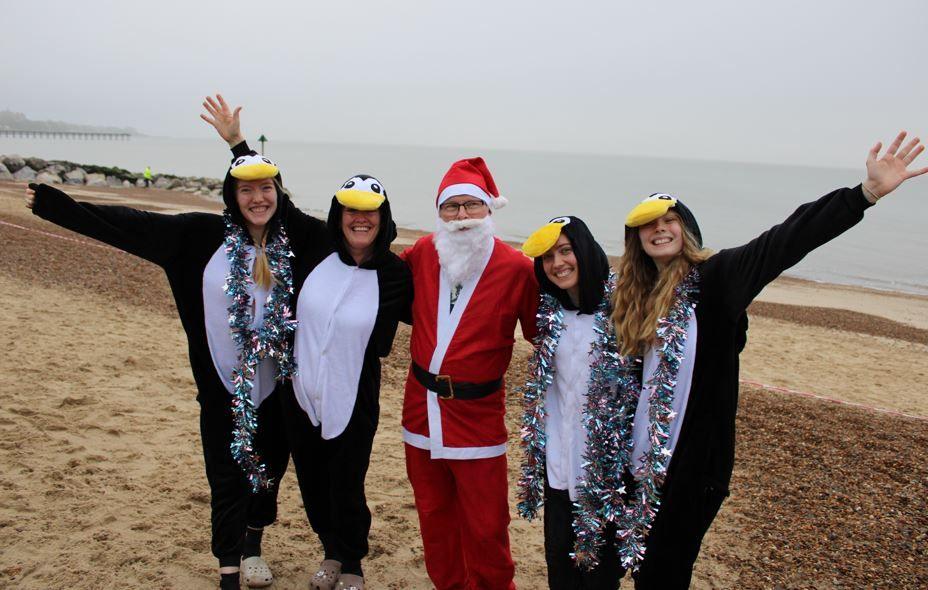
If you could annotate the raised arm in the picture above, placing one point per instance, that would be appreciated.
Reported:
(155, 237)
(742, 272)
(304, 230)
(225, 120)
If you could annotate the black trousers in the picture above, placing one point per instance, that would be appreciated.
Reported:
(233, 504)
(673, 543)
(331, 474)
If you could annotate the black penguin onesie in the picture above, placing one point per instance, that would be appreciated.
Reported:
(189, 247)
(348, 314)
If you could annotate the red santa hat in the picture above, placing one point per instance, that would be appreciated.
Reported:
(470, 177)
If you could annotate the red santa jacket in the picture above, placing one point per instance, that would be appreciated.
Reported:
(471, 343)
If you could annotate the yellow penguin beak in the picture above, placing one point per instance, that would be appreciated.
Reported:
(258, 171)
(648, 211)
(360, 200)
(542, 239)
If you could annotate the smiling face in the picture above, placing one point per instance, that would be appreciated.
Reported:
(257, 200)
(360, 229)
(560, 266)
(662, 239)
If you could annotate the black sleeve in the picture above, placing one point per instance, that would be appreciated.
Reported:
(240, 149)
(395, 285)
(155, 237)
(405, 314)
(737, 275)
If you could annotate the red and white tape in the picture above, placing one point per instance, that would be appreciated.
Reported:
(60, 237)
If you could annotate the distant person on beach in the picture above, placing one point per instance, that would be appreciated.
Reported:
(231, 279)
(658, 451)
(470, 290)
(147, 175)
(349, 299)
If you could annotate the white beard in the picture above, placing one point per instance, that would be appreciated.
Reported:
(461, 253)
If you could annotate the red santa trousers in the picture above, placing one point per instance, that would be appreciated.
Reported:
(464, 520)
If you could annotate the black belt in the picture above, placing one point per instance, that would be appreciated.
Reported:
(448, 389)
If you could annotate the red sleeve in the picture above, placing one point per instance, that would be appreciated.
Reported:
(409, 254)
(528, 307)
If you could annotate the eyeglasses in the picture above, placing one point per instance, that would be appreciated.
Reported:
(469, 206)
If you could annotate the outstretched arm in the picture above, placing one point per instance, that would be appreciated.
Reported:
(156, 237)
(741, 273)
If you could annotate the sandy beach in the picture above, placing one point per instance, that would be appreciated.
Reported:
(102, 473)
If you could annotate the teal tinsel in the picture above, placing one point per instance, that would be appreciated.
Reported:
(269, 340)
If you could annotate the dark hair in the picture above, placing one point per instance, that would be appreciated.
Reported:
(592, 264)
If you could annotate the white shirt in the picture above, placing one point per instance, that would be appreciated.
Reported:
(681, 394)
(336, 309)
(222, 347)
(565, 401)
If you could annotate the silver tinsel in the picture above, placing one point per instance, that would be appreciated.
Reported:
(269, 340)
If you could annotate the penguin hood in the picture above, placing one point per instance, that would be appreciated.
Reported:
(364, 193)
(656, 206)
(592, 262)
(253, 166)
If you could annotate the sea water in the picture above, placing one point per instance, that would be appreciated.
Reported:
(733, 201)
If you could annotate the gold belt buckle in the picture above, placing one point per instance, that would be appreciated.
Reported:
(446, 379)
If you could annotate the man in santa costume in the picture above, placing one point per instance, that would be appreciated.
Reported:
(470, 290)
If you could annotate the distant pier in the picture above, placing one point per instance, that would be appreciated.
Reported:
(65, 134)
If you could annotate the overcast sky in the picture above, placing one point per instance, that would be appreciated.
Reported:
(784, 81)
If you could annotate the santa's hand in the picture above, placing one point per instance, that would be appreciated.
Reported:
(223, 119)
(886, 173)
(30, 196)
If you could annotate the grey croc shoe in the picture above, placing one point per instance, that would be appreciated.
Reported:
(256, 573)
(327, 576)
(350, 582)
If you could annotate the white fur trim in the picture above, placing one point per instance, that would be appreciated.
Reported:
(422, 442)
(499, 202)
(466, 188)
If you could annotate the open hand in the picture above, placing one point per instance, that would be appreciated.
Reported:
(224, 119)
(30, 197)
(886, 173)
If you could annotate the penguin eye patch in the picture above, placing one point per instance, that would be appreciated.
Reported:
(375, 188)
(239, 162)
(349, 184)
(266, 160)
(562, 220)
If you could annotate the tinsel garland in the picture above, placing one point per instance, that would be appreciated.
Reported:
(607, 419)
(269, 340)
(550, 322)
(602, 451)
(633, 528)
(612, 396)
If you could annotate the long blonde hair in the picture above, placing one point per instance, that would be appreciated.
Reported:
(261, 272)
(644, 294)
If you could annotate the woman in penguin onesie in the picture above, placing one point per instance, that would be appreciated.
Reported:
(349, 300)
(572, 369)
(662, 446)
(348, 309)
(231, 280)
